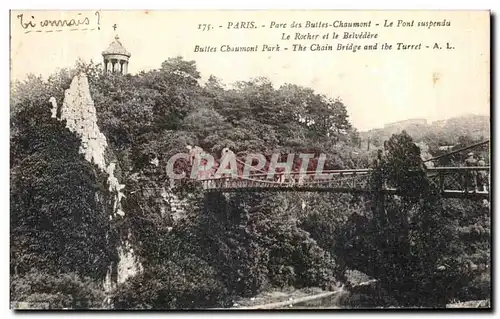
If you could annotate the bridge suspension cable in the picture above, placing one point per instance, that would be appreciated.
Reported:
(457, 151)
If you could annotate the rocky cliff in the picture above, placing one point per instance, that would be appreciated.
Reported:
(79, 112)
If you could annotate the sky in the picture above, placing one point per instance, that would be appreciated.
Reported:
(377, 87)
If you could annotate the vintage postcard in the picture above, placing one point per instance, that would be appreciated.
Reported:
(237, 160)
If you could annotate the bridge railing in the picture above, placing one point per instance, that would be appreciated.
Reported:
(458, 168)
(447, 179)
(350, 178)
(464, 179)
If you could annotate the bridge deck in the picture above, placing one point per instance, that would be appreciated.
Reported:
(447, 193)
(453, 182)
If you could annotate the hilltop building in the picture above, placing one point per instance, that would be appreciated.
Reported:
(116, 57)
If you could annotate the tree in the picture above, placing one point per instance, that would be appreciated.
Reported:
(408, 243)
(61, 291)
(236, 244)
(186, 283)
(59, 202)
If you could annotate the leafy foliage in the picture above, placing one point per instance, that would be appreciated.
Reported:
(185, 283)
(59, 203)
(252, 247)
(409, 243)
(422, 249)
(68, 290)
(439, 133)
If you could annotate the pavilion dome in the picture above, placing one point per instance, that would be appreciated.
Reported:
(116, 47)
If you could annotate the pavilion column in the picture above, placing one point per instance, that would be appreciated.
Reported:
(115, 65)
(116, 57)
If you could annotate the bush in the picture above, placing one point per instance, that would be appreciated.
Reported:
(478, 289)
(244, 265)
(370, 295)
(67, 290)
(261, 245)
(186, 284)
(297, 260)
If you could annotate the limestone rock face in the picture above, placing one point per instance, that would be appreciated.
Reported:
(80, 114)
(53, 101)
(128, 264)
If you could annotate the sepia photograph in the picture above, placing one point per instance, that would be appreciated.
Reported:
(250, 160)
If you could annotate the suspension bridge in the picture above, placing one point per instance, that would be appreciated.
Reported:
(452, 182)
